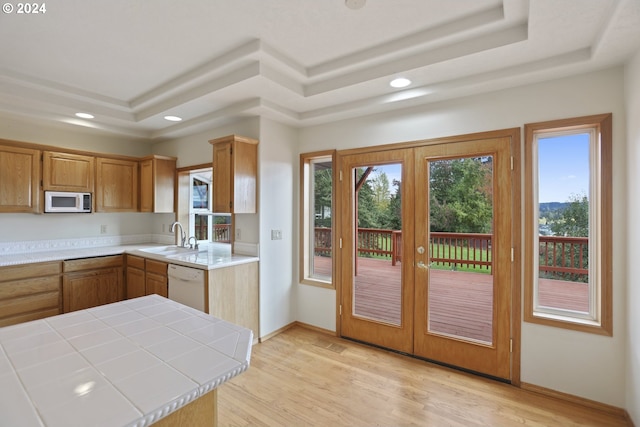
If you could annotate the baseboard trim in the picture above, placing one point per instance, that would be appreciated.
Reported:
(609, 409)
(296, 323)
(315, 328)
(277, 331)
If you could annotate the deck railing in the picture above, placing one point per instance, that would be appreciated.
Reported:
(565, 258)
(560, 257)
(222, 233)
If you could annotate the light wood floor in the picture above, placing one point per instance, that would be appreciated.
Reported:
(303, 377)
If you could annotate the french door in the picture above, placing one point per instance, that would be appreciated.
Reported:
(436, 281)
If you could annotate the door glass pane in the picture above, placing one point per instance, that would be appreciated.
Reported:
(321, 184)
(460, 291)
(563, 223)
(377, 276)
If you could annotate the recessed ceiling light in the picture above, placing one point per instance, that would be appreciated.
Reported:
(355, 4)
(400, 82)
(84, 115)
(173, 118)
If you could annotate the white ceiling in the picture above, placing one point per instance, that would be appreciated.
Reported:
(301, 62)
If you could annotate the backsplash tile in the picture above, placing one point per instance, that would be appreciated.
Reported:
(21, 247)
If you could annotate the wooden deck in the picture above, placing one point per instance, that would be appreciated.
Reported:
(460, 302)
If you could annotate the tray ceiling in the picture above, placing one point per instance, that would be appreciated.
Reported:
(300, 62)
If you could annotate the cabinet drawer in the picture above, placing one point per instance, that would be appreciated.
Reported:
(157, 267)
(135, 262)
(92, 263)
(21, 288)
(27, 317)
(24, 271)
(30, 303)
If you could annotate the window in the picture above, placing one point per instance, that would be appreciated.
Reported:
(316, 220)
(568, 224)
(203, 223)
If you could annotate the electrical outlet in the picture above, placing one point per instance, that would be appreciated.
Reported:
(164, 228)
(237, 234)
(103, 229)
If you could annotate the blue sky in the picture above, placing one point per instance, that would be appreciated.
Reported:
(563, 165)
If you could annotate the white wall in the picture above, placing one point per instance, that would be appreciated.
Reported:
(551, 357)
(632, 91)
(278, 160)
(72, 137)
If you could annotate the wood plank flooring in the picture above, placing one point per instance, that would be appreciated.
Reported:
(302, 377)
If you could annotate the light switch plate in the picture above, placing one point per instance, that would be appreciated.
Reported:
(276, 234)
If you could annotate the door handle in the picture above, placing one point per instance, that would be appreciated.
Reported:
(422, 265)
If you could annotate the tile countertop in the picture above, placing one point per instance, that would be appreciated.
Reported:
(129, 363)
(210, 257)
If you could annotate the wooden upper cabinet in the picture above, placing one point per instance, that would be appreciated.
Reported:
(235, 172)
(67, 172)
(116, 185)
(19, 179)
(157, 184)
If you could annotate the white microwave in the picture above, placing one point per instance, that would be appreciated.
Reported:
(65, 202)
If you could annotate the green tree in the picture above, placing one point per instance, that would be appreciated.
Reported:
(368, 214)
(322, 200)
(380, 187)
(394, 208)
(461, 195)
(574, 219)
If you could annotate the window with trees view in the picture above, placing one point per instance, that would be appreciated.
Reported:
(568, 223)
(316, 220)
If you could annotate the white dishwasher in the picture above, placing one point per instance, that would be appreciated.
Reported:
(186, 286)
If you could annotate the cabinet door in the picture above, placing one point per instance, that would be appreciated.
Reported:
(135, 283)
(157, 184)
(92, 288)
(222, 178)
(20, 179)
(146, 186)
(157, 284)
(67, 172)
(235, 172)
(117, 185)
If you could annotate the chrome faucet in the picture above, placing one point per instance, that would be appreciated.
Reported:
(195, 241)
(183, 236)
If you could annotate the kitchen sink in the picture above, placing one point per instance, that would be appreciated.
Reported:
(167, 250)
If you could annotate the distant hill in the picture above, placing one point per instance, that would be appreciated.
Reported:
(552, 206)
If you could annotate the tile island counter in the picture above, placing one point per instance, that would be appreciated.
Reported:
(137, 362)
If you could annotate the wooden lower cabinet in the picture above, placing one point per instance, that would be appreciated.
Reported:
(234, 295)
(157, 284)
(90, 282)
(146, 277)
(135, 283)
(156, 280)
(135, 277)
(29, 292)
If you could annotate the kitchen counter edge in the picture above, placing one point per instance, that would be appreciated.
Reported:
(131, 249)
